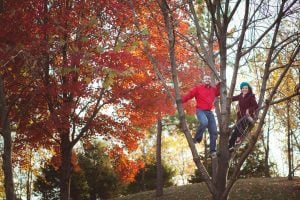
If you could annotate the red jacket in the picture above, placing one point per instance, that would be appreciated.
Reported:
(204, 95)
(244, 103)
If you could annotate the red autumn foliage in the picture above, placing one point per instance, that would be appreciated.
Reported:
(125, 167)
(82, 73)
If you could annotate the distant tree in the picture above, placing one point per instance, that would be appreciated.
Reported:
(47, 184)
(146, 178)
(92, 178)
(79, 186)
(102, 180)
(255, 163)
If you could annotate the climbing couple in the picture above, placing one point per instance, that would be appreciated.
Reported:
(205, 94)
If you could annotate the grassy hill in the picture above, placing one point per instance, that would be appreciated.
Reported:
(250, 189)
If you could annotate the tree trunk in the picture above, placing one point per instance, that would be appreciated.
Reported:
(65, 174)
(169, 26)
(159, 175)
(7, 150)
(206, 152)
(266, 143)
(29, 178)
(1, 5)
(267, 167)
(142, 186)
(93, 196)
(289, 141)
(222, 166)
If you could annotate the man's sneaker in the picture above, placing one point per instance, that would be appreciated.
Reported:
(213, 154)
(238, 141)
(194, 140)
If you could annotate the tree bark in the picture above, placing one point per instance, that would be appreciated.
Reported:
(290, 177)
(159, 175)
(266, 142)
(7, 149)
(65, 173)
(1, 5)
(169, 26)
(29, 178)
(5, 131)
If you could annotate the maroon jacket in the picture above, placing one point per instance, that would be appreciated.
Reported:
(244, 103)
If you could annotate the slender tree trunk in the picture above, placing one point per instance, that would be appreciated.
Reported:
(93, 196)
(5, 131)
(266, 142)
(292, 153)
(183, 167)
(205, 150)
(159, 175)
(7, 151)
(267, 167)
(65, 172)
(29, 178)
(142, 186)
(289, 141)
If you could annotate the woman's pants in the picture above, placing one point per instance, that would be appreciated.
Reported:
(241, 128)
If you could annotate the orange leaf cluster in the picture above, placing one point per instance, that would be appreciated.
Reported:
(125, 168)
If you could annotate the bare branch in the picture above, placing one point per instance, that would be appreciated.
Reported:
(280, 100)
(11, 59)
(207, 57)
(234, 9)
(276, 22)
(271, 50)
(171, 36)
(239, 51)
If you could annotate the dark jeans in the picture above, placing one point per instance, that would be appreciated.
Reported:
(207, 121)
(240, 129)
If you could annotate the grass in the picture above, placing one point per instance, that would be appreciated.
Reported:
(244, 189)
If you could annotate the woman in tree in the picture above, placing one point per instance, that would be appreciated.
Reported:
(247, 107)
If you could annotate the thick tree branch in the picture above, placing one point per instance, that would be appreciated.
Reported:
(171, 36)
(280, 100)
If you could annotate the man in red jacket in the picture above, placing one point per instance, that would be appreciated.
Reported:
(205, 95)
